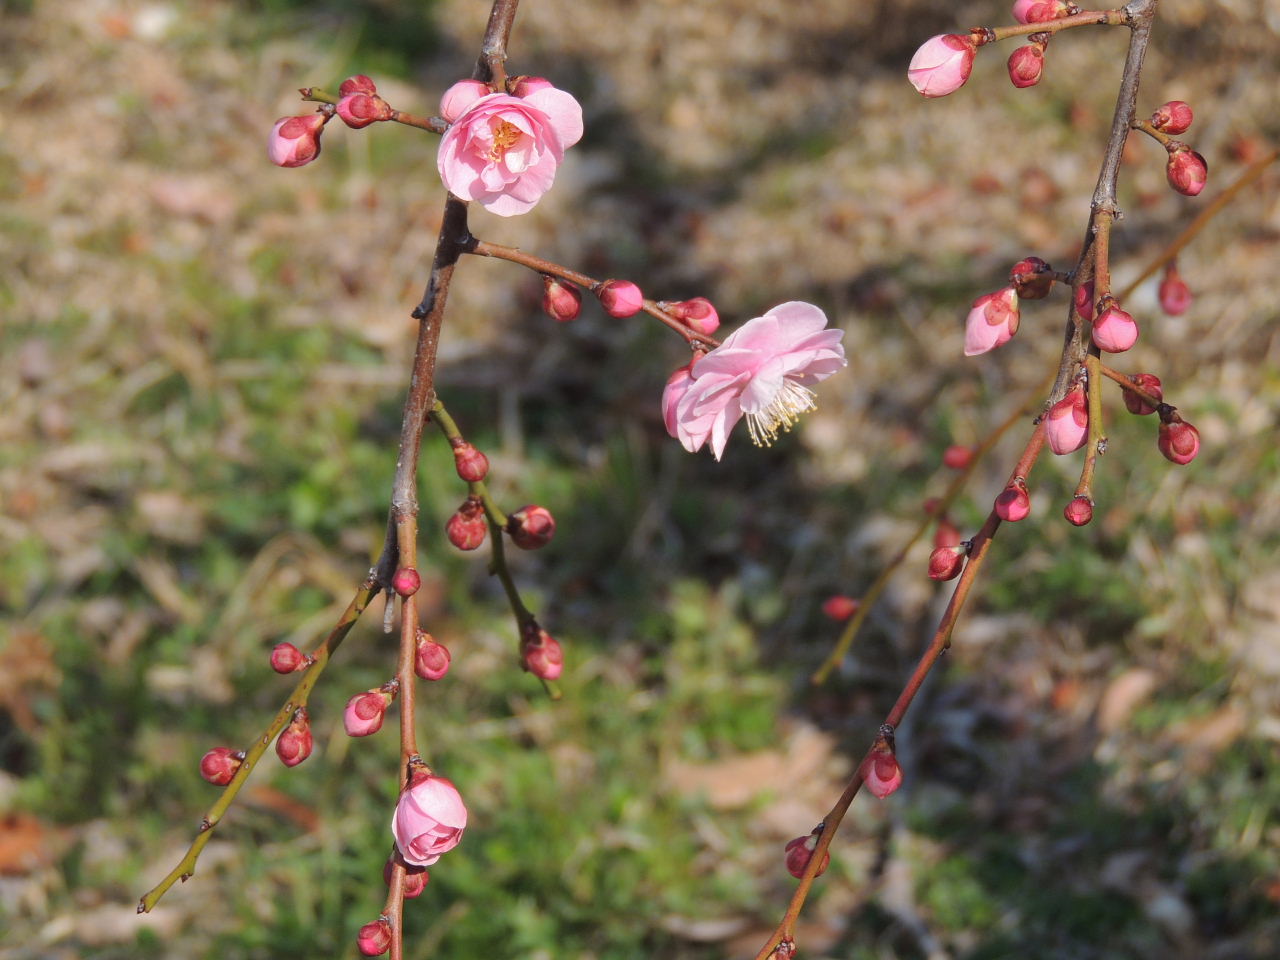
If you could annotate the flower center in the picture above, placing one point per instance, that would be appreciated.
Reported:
(505, 135)
(782, 413)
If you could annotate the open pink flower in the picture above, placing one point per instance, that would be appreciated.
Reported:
(428, 821)
(762, 371)
(942, 64)
(503, 151)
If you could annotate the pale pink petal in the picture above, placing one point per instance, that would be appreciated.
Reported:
(563, 112)
(798, 319)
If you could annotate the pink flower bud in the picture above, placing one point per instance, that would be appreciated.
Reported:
(357, 84)
(1175, 295)
(471, 464)
(1173, 117)
(1032, 278)
(840, 607)
(947, 534)
(1079, 511)
(295, 141)
(1038, 11)
(1151, 384)
(294, 743)
(468, 527)
(560, 301)
(459, 98)
(1066, 425)
(374, 939)
(429, 819)
(992, 322)
(415, 878)
(800, 852)
(942, 64)
(945, 563)
(930, 505)
(1084, 300)
(1187, 171)
(677, 385)
(406, 581)
(882, 773)
(957, 457)
(523, 86)
(1013, 503)
(698, 313)
(1115, 331)
(1026, 65)
(364, 713)
(531, 527)
(1179, 441)
(542, 654)
(220, 764)
(360, 109)
(431, 661)
(286, 658)
(620, 298)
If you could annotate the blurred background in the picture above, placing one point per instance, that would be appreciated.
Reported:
(202, 362)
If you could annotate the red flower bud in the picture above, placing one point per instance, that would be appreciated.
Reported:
(1079, 511)
(374, 939)
(295, 141)
(286, 658)
(468, 527)
(560, 301)
(357, 84)
(431, 661)
(945, 563)
(1175, 295)
(1084, 300)
(957, 457)
(1032, 278)
(1186, 171)
(523, 86)
(471, 464)
(220, 764)
(800, 852)
(406, 581)
(364, 713)
(1151, 384)
(1026, 65)
(1179, 441)
(1013, 503)
(620, 298)
(880, 770)
(415, 878)
(531, 527)
(361, 109)
(1173, 117)
(542, 654)
(294, 743)
(840, 607)
(698, 313)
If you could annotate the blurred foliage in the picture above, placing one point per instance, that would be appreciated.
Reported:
(202, 361)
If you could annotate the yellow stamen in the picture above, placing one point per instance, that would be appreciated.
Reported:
(505, 135)
(782, 413)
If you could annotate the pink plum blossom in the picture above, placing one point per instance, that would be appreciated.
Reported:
(295, 141)
(942, 64)
(503, 151)
(1066, 425)
(429, 819)
(762, 371)
(992, 322)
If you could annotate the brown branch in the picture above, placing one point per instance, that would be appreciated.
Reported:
(1089, 18)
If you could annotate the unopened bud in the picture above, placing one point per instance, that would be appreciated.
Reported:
(458, 98)
(1013, 503)
(523, 86)
(374, 939)
(840, 607)
(471, 464)
(1084, 300)
(294, 743)
(220, 764)
(1079, 511)
(541, 653)
(957, 457)
(880, 770)
(1175, 295)
(800, 852)
(295, 141)
(1066, 425)
(1039, 11)
(942, 64)
(1173, 117)
(620, 298)
(468, 527)
(992, 321)
(358, 110)
(1186, 171)
(1026, 65)
(1137, 404)
(1115, 331)
(531, 527)
(406, 581)
(286, 658)
(364, 713)
(415, 878)
(357, 84)
(1032, 278)
(698, 313)
(561, 302)
(1179, 441)
(431, 661)
(945, 563)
